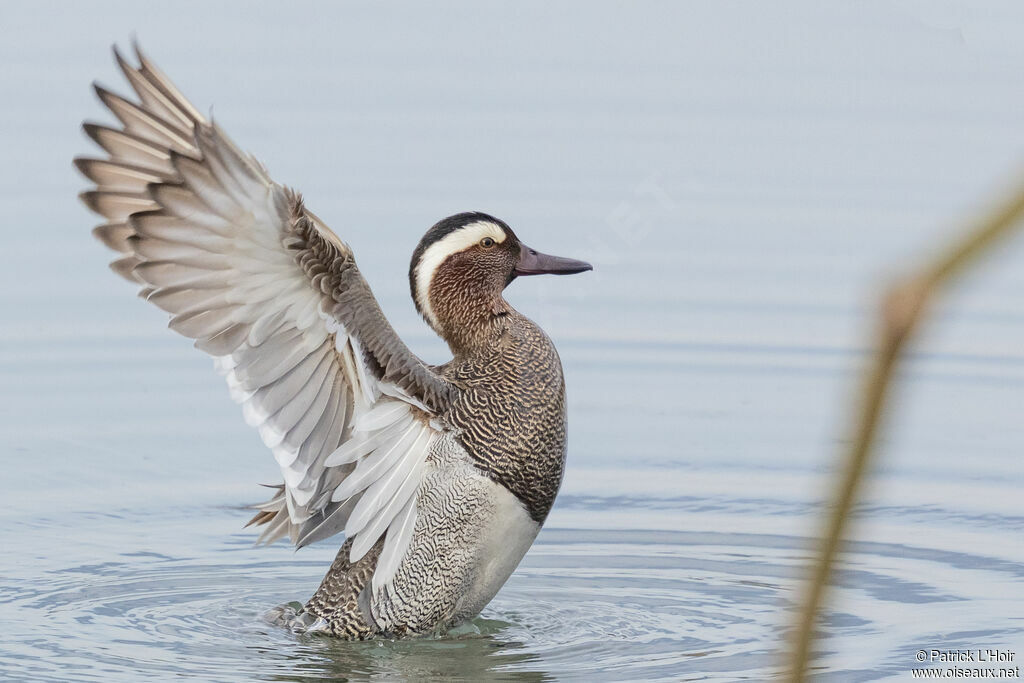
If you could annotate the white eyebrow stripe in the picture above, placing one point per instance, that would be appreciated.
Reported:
(452, 243)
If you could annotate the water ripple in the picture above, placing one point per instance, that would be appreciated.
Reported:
(587, 604)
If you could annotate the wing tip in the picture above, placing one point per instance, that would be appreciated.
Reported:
(137, 48)
(91, 199)
(92, 130)
(83, 165)
(103, 92)
(125, 267)
(118, 58)
(117, 236)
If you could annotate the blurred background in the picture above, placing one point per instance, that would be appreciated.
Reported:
(745, 177)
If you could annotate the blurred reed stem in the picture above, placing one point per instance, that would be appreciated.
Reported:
(901, 312)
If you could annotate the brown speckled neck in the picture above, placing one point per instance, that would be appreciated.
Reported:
(466, 298)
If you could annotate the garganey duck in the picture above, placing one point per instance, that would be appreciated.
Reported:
(439, 477)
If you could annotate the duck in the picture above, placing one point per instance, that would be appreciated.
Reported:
(436, 478)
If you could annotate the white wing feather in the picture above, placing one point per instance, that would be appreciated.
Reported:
(209, 235)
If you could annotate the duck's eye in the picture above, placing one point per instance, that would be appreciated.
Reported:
(487, 242)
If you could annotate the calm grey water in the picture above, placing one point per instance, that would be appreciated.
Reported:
(743, 176)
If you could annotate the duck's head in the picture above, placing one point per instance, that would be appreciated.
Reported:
(462, 265)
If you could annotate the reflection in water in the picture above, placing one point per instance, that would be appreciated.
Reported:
(482, 656)
(472, 651)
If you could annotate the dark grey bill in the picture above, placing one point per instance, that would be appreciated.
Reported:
(532, 262)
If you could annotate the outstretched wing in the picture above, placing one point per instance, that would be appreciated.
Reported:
(265, 287)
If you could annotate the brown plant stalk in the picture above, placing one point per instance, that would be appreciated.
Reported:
(901, 312)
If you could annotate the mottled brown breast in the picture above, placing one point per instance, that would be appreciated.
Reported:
(511, 411)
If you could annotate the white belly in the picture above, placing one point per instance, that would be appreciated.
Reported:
(469, 537)
(503, 541)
